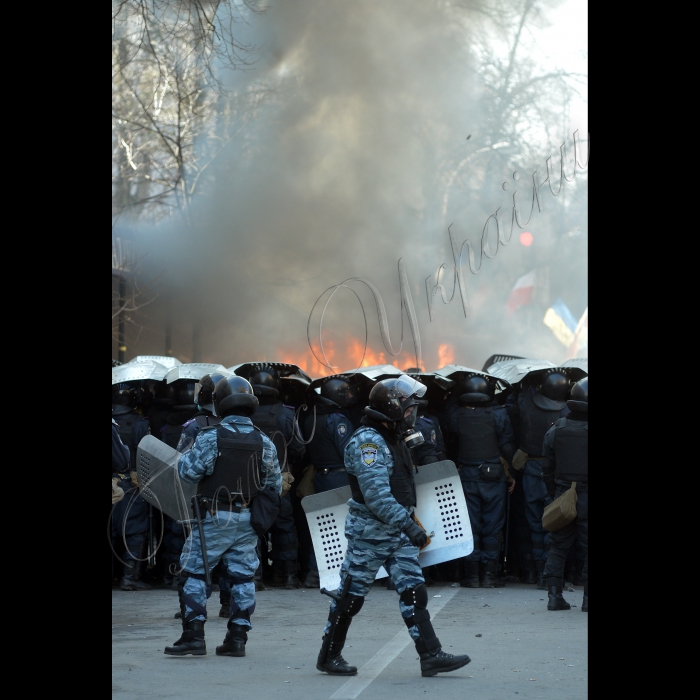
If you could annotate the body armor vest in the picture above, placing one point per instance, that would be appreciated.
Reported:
(478, 440)
(323, 453)
(237, 469)
(571, 452)
(401, 481)
(535, 422)
(266, 418)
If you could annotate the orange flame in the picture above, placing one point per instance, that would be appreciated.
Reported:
(446, 353)
(349, 359)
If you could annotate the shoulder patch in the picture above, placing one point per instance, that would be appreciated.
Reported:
(342, 429)
(369, 453)
(433, 437)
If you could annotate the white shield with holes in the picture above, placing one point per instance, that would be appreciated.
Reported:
(440, 508)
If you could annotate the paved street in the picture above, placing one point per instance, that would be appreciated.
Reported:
(524, 651)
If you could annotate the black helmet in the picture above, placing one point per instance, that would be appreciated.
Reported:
(390, 398)
(125, 397)
(555, 386)
(163, 394)
(579, 396)
(234, 395)
(476, 389)
(340, 392)
(204, 391)
(184, 394)
(266, 381)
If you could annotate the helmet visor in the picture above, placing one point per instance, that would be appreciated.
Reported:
(407, 386)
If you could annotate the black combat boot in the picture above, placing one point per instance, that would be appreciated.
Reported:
(191, 641)
(334, 663)
(541, 584)
(225, 600)
(527, 562)
(489, 574)
(130, 577)
(471, 577)
(433, 659)
(584, 604)
(556, 599)
(291, 582)
(234, 641)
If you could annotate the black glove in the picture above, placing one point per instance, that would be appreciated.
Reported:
(416, 534)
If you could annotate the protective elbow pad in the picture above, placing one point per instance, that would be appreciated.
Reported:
(417, 597)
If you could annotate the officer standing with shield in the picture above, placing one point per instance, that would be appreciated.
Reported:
(565, 462)
(381, 530)
(233, 464)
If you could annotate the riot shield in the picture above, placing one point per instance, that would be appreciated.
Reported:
(138, 371)
(159, 482)
(441, 509)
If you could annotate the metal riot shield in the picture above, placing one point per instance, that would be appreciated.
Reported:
(159, 482)
(441, 509)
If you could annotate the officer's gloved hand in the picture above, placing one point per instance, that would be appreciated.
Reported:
(117, 491)
(134, 479)
(287, 481)
(415, 533)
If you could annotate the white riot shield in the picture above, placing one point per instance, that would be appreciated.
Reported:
(441, 509)
(159, 482)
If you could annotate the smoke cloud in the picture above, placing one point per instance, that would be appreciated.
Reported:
(343, 169)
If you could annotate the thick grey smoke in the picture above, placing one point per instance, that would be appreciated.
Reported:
(342, 171)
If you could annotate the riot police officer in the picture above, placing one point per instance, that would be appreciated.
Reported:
(183, 410)
(174, 534)
(484, 435)
(328, 429)
(539, 406)
(129, 524)
(231, 463)
(277, 421)
(381, 530)
(433, 447)
(566, 461)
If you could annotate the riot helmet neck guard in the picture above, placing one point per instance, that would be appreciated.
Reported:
(184, 395)
(234, 396)
(125, 397)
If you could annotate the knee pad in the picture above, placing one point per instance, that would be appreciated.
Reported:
(417, 597)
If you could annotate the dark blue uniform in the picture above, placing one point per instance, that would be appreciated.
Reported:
(535, 420)
(130, 516)
(331, 430)
(484, 434)
(277, 421)
(433, 449)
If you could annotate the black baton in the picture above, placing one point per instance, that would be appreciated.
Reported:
(198, 518)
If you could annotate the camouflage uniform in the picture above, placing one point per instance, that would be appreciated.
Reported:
(374, 530)
(229, 535)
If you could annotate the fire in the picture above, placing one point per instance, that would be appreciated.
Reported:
(353, 356)
(446, 354)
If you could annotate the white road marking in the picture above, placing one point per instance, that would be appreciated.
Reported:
(365, 675)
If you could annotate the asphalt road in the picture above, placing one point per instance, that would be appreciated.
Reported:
(523, 650)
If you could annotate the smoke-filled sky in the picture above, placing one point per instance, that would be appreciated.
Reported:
(357, 157)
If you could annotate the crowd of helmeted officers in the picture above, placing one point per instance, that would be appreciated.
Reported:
(502, 427)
